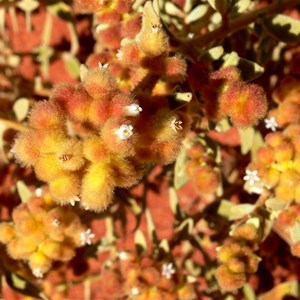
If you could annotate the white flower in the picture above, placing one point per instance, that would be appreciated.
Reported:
(124, 132)
(190, 35)
(105, 66)
(176, 125)
(133, 110)
(251, 177)
(135, 291)
(168, 270)
(38, 273)
(55, 222)
(74, 200)
(123, 255)
(156, 28)
(86, 237)
(119, 54)
(39, 192)
(271, 124)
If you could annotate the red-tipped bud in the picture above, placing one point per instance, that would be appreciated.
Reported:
(7, 233)
(175, 69)
(45, 115)
(152, 39)
(99, 83)
(243, 103)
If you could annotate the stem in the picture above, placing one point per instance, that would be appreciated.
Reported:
(14, 125)
(235, 25)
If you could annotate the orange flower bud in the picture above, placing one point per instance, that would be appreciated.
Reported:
(265, 155)
(45, 115)
(247, 232)
(228, 280)
(94, 149)
(243, 103)
(99, 83)
(7, 232)
(284, 152)
(97, 187)
(51, 249)
(152, 39)
(65, 189)
(175, 69)
(21, 247)
(274, 139)
(39, 261)
(206, 179)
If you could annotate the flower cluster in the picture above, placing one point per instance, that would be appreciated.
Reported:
(237, 258)
(89, 139)
(201, 167)
(41, 233)
(228, 95)
(144, 278)
(135, 47)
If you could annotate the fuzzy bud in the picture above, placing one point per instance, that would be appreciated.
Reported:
(152, 39)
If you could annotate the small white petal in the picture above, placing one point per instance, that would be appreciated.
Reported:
(55, 222)
(38, 273)
(123, 255)
(86, 237)
(105, 66)
(74, 200)
(135, 291)
(119, 54)
(133, 110)
(124, 132)
(39, 192)
(168, 270)
(176, 124)
(271, 123)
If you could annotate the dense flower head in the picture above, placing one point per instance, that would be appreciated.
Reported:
(228, 95)
(41, 233)
(145, 278)
(201, 168)
(236, 257)
(89, 139)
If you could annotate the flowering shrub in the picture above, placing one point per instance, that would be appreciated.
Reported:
(150, 149)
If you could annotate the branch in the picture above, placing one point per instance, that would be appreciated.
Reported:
(235, 25)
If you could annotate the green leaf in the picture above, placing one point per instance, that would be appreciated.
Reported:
(290, 288)
(61, 10)
(164, 246)
(240, 210)
(224, 208)
(72, 64)
(20, 108)
(23, 286)
(249, 69)
(180, 177)
(23, 191)
(247, 137)
(186, 226)
(140, 241)
(185, 97)
(214, 53)
(173, 10)
(241, 5)
(151, 226)
(134, 206)
(221, 6)
(28, 5)
(283, 28)
(295, 232)
(197, 13)
(249, 292)
(257, 142)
